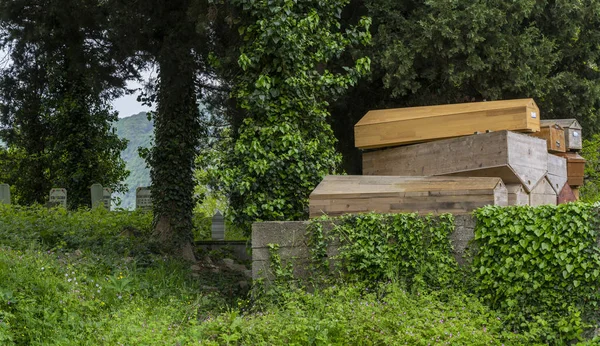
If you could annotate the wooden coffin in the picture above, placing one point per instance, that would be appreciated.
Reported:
(557, 172)
(517, 195)
(573, 135)
(514, 157)
(575, 168)
(542, 194)
(337, 195)
(392, 127)
(554, 135)
(566, 195)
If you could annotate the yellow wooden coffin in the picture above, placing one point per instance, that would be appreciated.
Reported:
(393, 127)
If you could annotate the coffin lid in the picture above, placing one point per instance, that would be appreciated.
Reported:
(396, 114)
(565, 123)
(352, 184)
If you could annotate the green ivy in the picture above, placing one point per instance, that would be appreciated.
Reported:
(539, 264)
(389, 247)
(285, 145)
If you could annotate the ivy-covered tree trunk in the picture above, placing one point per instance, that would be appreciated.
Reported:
(176, 135)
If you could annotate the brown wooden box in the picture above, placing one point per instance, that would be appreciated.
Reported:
(337, 195)
(566, 195)
(557, 172)
(555, 137)
(514, 157)
(575, 168)
(517, 195)
(392, 127)
(542, 194)
(573, 135)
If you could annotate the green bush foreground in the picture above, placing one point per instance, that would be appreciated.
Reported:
(92, 278)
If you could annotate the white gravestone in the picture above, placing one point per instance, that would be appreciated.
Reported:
(107, 197)
(96, 193)
(59, 195)
(4, 194)
(143, 199)
(218, 226)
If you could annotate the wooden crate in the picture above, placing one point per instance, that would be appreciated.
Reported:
(392, 127)
(542, 194)
(557, 172)
(554, 135)
(514, 157)
(337, 195)
(566, 195)
(517, 195)
(573, 135)
(575, 168)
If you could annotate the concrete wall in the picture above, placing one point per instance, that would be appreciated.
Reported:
(293, 244)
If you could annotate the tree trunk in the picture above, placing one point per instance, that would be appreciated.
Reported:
(176, 134)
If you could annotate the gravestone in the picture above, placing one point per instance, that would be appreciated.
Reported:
(218, 226)
(4, 194)
(143, 199)
(107, 197)
(58, 196)
(96, 191)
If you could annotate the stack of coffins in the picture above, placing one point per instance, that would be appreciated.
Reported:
(456, 158)
(575, 164)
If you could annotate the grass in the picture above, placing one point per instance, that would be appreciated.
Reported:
(79, 279)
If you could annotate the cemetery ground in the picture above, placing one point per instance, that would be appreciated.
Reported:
(93, 278)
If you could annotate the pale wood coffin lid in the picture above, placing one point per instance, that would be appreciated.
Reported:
(340, 185)
(396, 114)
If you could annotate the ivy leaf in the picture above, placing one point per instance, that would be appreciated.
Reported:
(570, 268)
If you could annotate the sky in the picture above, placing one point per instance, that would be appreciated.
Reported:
(128, 104)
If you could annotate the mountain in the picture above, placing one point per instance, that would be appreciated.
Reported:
(139, 131)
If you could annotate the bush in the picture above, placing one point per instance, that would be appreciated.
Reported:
(540, 266)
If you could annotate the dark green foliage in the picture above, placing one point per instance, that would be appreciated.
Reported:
(539, 266)
(55, 96)
(284, 146)
(138, 131)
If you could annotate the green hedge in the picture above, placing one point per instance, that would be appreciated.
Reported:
(539, 267)
(539, 264)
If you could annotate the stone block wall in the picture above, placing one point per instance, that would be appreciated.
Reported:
(293, 244)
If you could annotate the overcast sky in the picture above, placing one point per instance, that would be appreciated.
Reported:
(128, 105)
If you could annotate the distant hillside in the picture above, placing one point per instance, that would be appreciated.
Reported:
(139, 131)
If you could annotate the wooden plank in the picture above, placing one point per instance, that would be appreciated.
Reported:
(390, 127)
(554, 135)
(566, 195)
(517, 194)
(557, 172)
(576, 192)
(337, 195)
(573, 135)
(575, 168)
(514, 157)
(542, 194)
